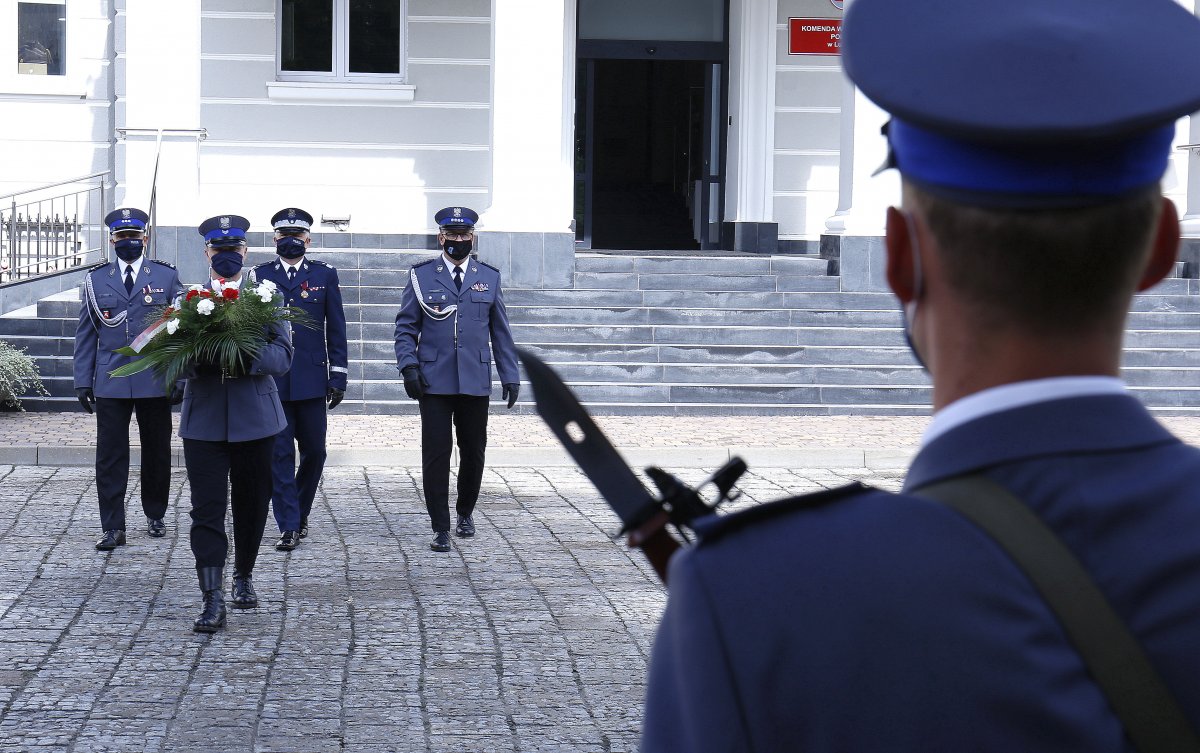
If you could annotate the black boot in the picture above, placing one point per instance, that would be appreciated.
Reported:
(243, 592)
(212, 618)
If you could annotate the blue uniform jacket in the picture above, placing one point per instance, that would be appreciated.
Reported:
(320, 359)
(456, 353)
(95, 340)
(865, 621)
(239, 409)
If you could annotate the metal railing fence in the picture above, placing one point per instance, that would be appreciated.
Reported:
(53, 227)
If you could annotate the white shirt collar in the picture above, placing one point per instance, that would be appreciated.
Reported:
(459, 264)
(287, 264)
(1015, 395)
(136, 266)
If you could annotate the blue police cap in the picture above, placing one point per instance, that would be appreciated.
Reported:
(126, 219)
(1027, 102)
(456, 218)
(224, 230)
(292, 219)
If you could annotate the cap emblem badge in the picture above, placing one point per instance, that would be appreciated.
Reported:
(224, 222)
(125, 214)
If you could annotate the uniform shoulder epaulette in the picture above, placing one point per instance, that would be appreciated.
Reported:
(423, 263)
(94, 267)
(714, 527)
(489, 266)
(321, 263)
(262, 264)
(164, 263)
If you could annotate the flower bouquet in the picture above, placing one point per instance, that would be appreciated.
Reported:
(223, 327)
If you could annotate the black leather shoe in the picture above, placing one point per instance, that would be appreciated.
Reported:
(465, 528)
(111, 540)
(156, 528)
(243, 592)
(441, 542)
(304, 528)
(288, 541)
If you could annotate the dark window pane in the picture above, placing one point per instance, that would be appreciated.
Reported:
(41, 38)
(374, 36)
(306, 36)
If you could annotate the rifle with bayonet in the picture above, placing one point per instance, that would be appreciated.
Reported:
(645, 517)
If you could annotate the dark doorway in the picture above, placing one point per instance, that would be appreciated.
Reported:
(647, 165)
(648, 131)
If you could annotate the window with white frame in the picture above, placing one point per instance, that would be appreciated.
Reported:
(341, 40)
(41, 38)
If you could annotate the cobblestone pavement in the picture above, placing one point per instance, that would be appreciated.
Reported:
(531, 637)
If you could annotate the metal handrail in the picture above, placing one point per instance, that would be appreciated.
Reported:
(200, 133)
(54, 185)
(46, 235)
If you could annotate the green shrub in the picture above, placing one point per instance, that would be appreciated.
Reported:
(18, 376)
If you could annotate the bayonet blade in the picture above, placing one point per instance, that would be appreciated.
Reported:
(587, 445)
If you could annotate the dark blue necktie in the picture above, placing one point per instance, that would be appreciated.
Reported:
(128, 280)
(458, 277)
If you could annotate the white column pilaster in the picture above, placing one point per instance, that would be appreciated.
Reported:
(751, 134)
(1190, 224)
(532, 117)
(161, 89)
(862, 198)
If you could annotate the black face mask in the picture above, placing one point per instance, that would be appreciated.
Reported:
(227, 263)
(129, 249)
(457, 250)
(290, 247)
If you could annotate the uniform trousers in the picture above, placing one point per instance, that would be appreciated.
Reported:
(112, 456)
(468, 414)
(219, 472)
(295, 488)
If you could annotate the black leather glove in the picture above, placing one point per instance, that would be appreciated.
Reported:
(415, 382)
(241, 365)
(510, 392)
(86, 398)
(207, 368)
(175, 397)
(334, 395)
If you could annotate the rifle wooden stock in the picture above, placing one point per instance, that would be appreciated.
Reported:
(655, 542)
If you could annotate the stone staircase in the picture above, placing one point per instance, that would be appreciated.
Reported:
(679, 334)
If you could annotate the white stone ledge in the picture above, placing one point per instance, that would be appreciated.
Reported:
(312, 91)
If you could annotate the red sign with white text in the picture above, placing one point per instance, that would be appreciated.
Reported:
(814, 36)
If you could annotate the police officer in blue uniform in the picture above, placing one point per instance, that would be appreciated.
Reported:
(228, 425)
(1030, 138)
(317, 379)
(452, 325)
(119, 297)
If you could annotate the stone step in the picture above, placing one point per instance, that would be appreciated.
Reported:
(701, 354)
(685, 399)
(385, 287)
(851, 374)
(699, 282)
(804, 265)
(376, 360)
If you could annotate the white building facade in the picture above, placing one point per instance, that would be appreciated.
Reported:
(678, 124)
